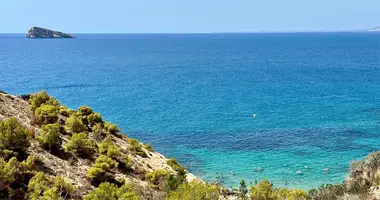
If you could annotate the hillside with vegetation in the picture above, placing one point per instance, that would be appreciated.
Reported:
(49, 151)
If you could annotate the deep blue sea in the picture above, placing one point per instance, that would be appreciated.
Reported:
(316, 96)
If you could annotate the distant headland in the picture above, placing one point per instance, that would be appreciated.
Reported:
(38, 32)
(375, 29)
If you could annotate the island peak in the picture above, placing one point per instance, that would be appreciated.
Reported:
(38, 32)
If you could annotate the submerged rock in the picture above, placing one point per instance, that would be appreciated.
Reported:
(38, 32)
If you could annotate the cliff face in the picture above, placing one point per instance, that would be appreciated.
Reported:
(38, 32)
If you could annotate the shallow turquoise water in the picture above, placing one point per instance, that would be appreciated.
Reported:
(316, 96)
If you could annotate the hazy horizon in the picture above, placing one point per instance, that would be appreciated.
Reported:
(170, 16)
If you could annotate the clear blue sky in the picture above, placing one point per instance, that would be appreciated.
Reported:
(169, 16)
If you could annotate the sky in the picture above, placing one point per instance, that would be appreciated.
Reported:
(188, 16)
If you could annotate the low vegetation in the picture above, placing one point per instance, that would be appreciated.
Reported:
(80, 144)
(14, 138)
(83, 137)
(136, 147)
(195, 191)
(74, 125)
(108, 191)
(49, 136)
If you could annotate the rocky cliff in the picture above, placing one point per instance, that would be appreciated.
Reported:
(38, 32)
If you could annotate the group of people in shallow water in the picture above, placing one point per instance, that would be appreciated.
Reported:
(260, 169)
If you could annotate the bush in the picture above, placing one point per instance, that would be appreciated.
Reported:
(74, 125)
(94, 118)
(14, 175)
(8, 172)
(49, 136)
(62, 187)
(136, 147)
(40, 187)
(263, 191)
(109, 148)
(47, 114)
(98, 172)
(293, 194)
(157, 179)
(111, 128)
(14, 138)
(105, 162)
(65, 111)
(195, 191)
(149, 147)
(84, 110)
(108, 191)
(126, 164)
(37, 99)
(81, 145)
(97, 132)
(174, 181)
(243, 190)
(172, 162)
(327, 192)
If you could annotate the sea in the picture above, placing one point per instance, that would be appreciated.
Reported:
(293, 108)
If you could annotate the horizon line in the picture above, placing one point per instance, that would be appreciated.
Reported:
(227, 32)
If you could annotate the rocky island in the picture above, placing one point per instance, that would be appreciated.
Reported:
(38, 32)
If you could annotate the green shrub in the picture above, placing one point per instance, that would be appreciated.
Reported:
(97, 175)
(195, 191)
(49, 136)
(157, 179)
(94, 118)
(8, 172)
(65, 111)
(31, 164)
(109, 148)
(47, 114)
(291, 194)
(62, 187)
(37, 99)
(149, 147)
(81, 145)
(243, 190)
(13, 137)
(98, 172)
(172, 162)
(74, 125)
(174, 181)
(263, 191)
(111, 128)
(136, 147)
(40, 187)
(105, 162)
(108, 191)
(14, 175)
(125, 164)
(97, 132)
(84, 110)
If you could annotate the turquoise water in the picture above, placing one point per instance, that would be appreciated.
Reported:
(316, 96)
